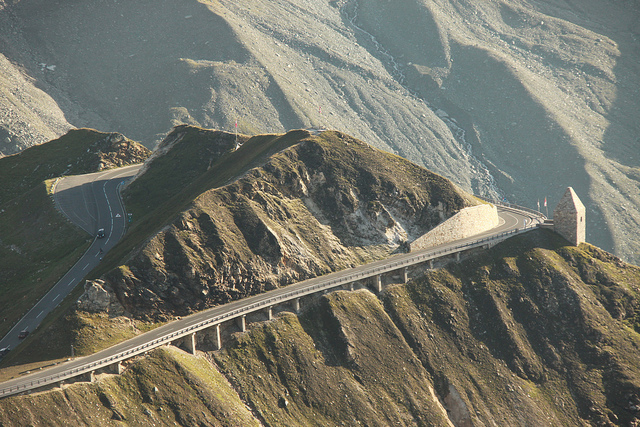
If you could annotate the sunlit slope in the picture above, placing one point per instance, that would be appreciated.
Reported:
(531, 332)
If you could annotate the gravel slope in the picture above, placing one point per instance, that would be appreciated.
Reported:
(517, 98)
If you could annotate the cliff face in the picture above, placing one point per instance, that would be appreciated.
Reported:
(531, 332)
(325, 203)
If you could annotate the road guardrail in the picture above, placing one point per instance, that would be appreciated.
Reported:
(408, 260)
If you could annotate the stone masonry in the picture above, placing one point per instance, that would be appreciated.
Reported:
(466, 223)
(569, 218)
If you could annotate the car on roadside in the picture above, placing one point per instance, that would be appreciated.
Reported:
(100, 234)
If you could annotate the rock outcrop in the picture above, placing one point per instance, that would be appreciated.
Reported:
(99, 297)
(322, 204)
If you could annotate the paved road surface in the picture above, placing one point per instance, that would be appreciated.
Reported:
(91, 201)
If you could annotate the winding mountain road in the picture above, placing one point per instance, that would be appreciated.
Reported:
(91, 201)
(512, 221)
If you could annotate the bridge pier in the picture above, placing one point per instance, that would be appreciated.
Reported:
(270, 312)
(242, 323)
(218, 338)
(117, 368)
(90, 376)
(190, 343)
(431, 264)
(296, 305)
(378, 283)
(405, 275)
(457, 256)
(348, 286)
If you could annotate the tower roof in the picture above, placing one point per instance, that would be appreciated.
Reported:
(570, 202)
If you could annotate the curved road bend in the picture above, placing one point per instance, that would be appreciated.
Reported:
(90, 201)
(510, 220)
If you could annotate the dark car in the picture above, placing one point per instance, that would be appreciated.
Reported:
(23, 334)
(100, 234)
(4, 351)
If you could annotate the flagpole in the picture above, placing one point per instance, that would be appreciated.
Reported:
(546, 207)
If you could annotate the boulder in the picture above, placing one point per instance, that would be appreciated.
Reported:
(98, 297)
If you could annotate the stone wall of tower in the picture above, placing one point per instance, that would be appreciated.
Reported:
(569, 218)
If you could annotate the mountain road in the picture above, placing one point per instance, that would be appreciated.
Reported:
(512, 221)
(92, 202)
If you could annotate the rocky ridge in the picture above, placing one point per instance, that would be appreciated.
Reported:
(322, 204)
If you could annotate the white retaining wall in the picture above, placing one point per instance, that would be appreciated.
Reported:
(466, 223)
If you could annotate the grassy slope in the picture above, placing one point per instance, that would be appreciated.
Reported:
(531, 332)
(37, 247)
(551, 324)
(37, 244)
(338, 364)
(166, 388)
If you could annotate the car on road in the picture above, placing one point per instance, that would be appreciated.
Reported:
(4, 351)
(100, 234)
(23, 334)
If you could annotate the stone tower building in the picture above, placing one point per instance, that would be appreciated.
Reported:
(569, 219)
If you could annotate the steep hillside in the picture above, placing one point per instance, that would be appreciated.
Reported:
(212, 223)
(280, 209)
(37, 245)
(167, 388)
(509, 98)
(531, 332)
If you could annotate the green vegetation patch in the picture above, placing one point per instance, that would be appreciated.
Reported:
(37, 247)
(338, 364)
